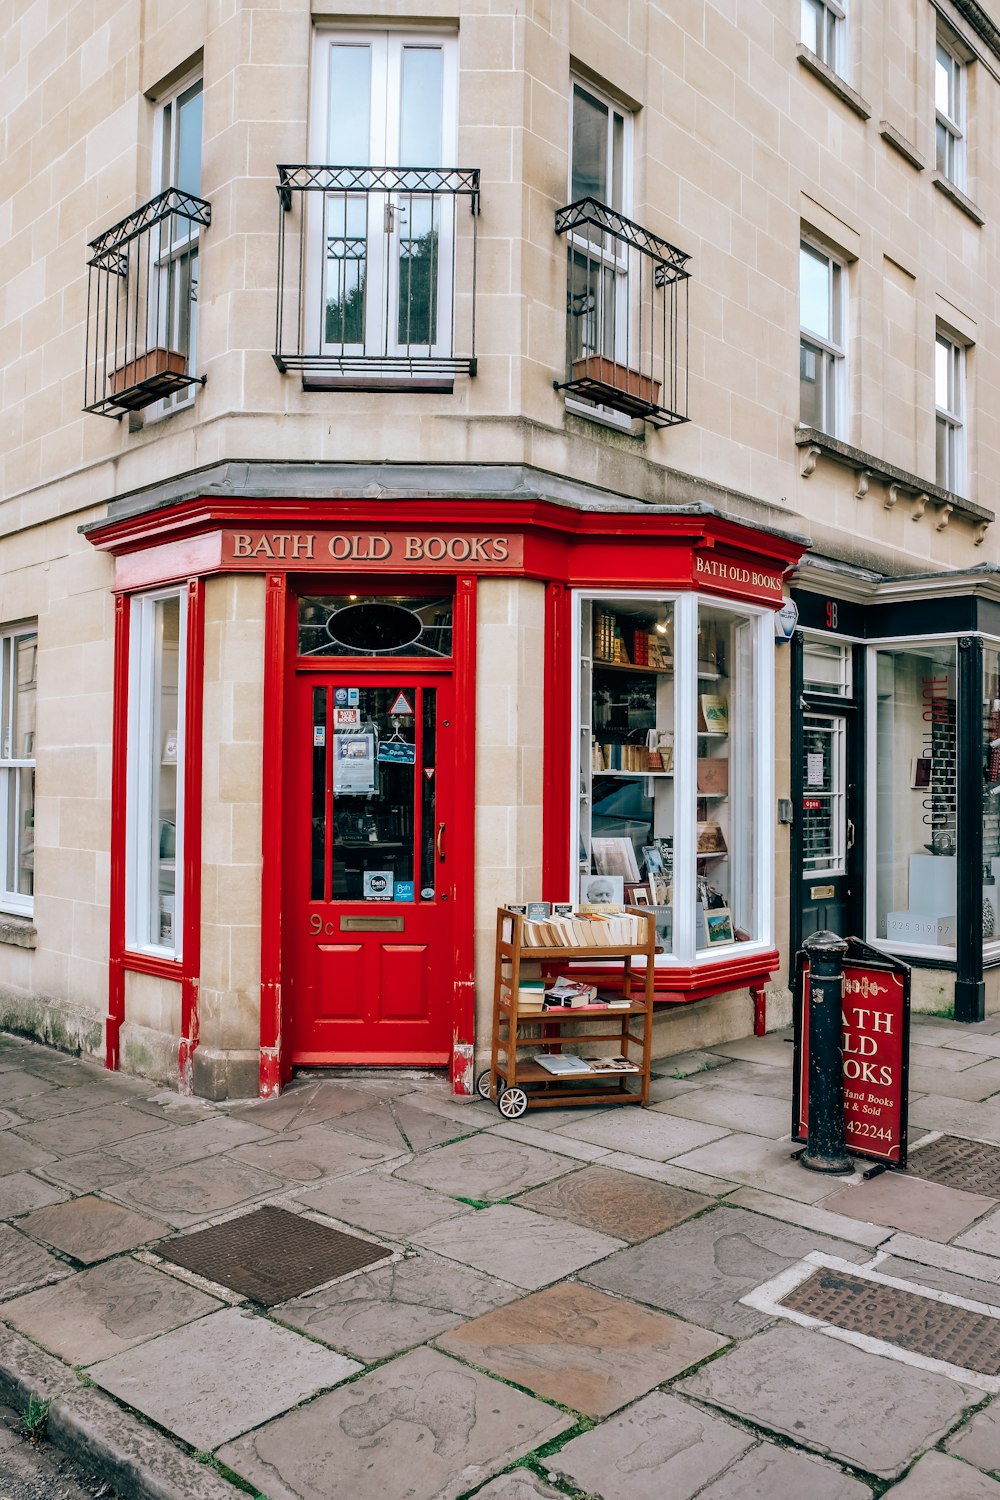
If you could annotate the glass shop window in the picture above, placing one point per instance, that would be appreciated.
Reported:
(155, 774)
(670, 768)
(915, 797)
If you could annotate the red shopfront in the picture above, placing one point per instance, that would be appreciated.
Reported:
(371, 649)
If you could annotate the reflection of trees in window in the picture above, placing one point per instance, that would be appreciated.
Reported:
(418, 289)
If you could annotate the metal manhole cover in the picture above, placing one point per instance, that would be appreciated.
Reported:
(956, 1163)
(923, 1325)
(270, 1255)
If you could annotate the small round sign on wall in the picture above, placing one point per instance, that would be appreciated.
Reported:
(785, 620)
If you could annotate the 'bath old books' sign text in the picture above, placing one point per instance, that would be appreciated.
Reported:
(388, 549)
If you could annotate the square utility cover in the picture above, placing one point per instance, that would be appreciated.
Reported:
(270, 1255)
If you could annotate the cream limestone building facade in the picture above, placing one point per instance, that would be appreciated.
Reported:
(770, 337)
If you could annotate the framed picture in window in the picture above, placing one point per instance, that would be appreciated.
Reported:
(718, 925)
(920, 772)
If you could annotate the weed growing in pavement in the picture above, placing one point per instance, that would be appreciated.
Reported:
(35, 1419)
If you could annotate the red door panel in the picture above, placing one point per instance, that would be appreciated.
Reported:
(368, 898)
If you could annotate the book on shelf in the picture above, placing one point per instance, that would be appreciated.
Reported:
(561, 1063)
(530, 995)
(586, 928)
(611, 1065)
(713, 713)
(712, 776)
(570, 992)
(616, 856)
(711, 839)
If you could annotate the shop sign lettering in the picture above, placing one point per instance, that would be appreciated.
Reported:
(325, 549)
(734, 577)
(874, 1023)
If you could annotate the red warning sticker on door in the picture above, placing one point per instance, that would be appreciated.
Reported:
(401, 706)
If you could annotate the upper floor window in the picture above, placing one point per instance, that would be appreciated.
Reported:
(822, 28)
(18, 683)
(173, 300)
(385, 275)
(821, 346)
(949, 401)
(949, 106)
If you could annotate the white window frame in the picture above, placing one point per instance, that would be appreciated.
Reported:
(830, 352)
(384, 215)
(613, 255)
(13, 767)
(823, 26)
(950, 112)
(165, 175)
(950, 418)
(757, 725)
(144, 758)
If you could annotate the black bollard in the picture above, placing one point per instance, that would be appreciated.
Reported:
(826, 1149)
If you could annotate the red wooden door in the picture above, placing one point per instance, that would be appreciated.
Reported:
(368, 909)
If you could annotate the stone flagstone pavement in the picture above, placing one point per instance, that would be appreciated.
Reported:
(567, 1306)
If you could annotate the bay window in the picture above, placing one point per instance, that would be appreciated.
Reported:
(155, 774)
(673, 714)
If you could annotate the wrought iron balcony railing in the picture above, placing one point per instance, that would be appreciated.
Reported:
(142, 299)
(377, 276)
(627, 315)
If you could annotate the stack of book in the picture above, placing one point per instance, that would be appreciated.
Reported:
(564, 1064)
(608, 642)
(590, 929)
(576, 994)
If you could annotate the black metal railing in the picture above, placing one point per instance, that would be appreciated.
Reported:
(627, 315)
(142, 299)
(377, 276)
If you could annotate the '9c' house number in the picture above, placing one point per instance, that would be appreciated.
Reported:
(317, 925)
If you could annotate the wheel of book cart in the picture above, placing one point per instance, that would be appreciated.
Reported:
(512, 1102)
(484, 1084)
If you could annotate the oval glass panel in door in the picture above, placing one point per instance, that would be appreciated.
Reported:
(375, 625)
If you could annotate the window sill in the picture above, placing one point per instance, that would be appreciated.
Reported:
(945, 185)
(833, 81)
(20, 932)
(899, 484)
(898, 142)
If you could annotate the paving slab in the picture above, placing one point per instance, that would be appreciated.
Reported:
(397, 1124)
(809, 1216)
(942, 1059)
(666, 1171)
(24, 1265)
(780, 1474)
(718, 1104)
(701, 1270)
(90, 1229)
(393, 1307)
(937, 1477)
(20, 1192)
(82, 1098)
(979, 1082)
(755, 1078)
(984, 1236)
(759, 1163)
(688, 1064)
(213, 1379)
(985, 1044)
(519, 1484)
(89, 1172)
(925, 1208)
(643, 1133)
(528, 1249)
(661, 1447)
(176, 1145)
(548, 1140)
(302, 1104)
(312, 1154)
(933, 1277)
(105, 1310)
(20, 1155)
(200, 1190)
(484, 1168)
(20, 1084)
(863, 1411)
(382, 1204)
(977, 1122)
(979, 1441)
(775, 1051)
(945, 1257)
(630, 1208)
(88, 1129)
(580, 1347)
(445, 1427)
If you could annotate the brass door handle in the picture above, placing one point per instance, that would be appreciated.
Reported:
(440, 843)
(850, 834)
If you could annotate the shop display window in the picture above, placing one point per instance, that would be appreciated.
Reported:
(674, 698)
(157, 673)
(915, 782)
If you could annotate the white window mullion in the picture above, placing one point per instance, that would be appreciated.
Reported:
(685, 775)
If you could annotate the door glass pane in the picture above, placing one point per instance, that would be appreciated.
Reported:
(590, 148)
(421, 106)
(428, 798)
(375, 625)
(916, 796)
(374, 774)
(319, 782)
(350, 106)
(823, 802)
